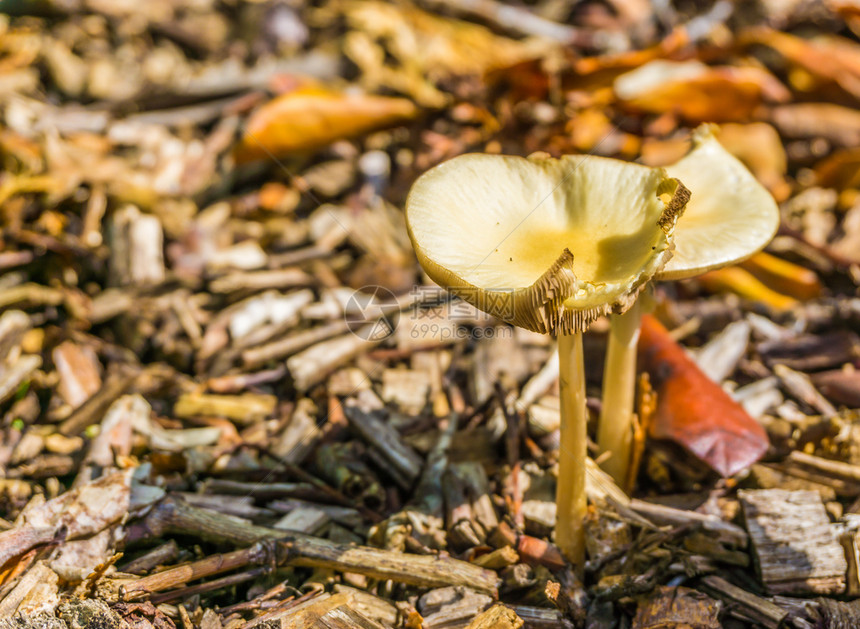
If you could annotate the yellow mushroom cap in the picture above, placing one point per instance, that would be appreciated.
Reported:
(729, 217)
(546, 244)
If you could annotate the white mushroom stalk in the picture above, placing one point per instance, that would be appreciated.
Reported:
(548, 245)
(729, 217)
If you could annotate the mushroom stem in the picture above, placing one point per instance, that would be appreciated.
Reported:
(570, 489)
(615, 429)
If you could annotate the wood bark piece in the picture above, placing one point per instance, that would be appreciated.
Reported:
(280, 279)
(388, 442)
(14, 324)
(474, 476)
(542, 617)
(115, 435)
(850, 540)
(14, 375)
(801, 387)
(173, 515)
(160, 555)
(91, 411)
(743, 604)
(815, 479)
(301, 615)
(538, 384)
(230, 581)
(463, 529)
(795, 547)
(343, 617)
(28, 294)
(493, 357)
(839, 469)
(408, 389)
(240, 506)
(345, 516)
(37, 588)
(214, 564)
(498, 559)
(677, 607)
(369, 605)
(79, 372)
(301, 434)
(245, 409)
(291, 344)
(261, 490)
(334, 611)
(451, 606)
(312, 365)
(303, 520)
(723, 531)
(700, 543)
(497, 617)
(718, 357)
(812, 352)
(836, 614)
(341, 464)
(840, 386)
(136, 248)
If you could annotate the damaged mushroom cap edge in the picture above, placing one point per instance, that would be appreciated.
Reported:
(542, 243)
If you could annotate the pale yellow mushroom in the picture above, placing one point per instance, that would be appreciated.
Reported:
(549, 245)
(730, 216)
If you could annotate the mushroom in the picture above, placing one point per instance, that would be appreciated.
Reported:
(548, 245)
(730, 217)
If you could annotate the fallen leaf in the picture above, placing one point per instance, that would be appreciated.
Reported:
(693, 410)
(697, 92)
(78, 513)
(783, 276)
(840, 170)
(312, 116)
(816, 64)
(602, 69)
(409, 50)
(744, 284)
(836, 124)
(759, 147)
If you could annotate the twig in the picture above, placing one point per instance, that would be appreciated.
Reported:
(174, 515)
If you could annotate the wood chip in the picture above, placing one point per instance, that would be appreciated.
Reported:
(794, 545)
(387, 442)
(677, 607)
(497, 617)
(745, 605)
(244, 409)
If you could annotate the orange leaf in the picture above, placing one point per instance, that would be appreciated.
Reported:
(759, 146)
(743, 283)
(693, 410)
(698, 93)
(840, 169)
(311, 117)
(601, 70)
(783, 276)
(819, 62)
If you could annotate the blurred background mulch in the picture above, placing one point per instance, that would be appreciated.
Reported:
(229, 397)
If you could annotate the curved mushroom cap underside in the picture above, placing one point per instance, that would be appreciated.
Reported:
(730, 216)
(546, 244)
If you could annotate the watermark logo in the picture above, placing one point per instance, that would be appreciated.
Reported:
(434, 315)
(372, 313)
